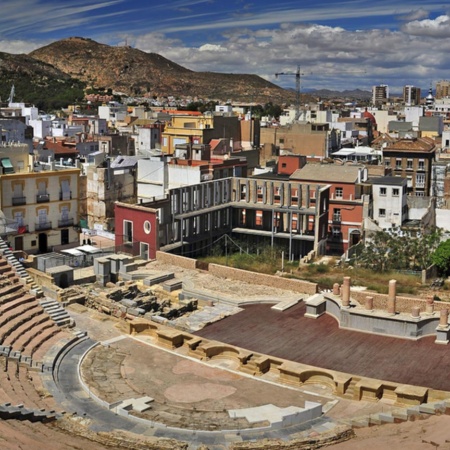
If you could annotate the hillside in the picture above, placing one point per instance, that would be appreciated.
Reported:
(37, 82)
(134, 72)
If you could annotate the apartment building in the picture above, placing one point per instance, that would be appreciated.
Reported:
(42, 201)
(197, 128)
(349, 201)
(390, 206)
(190, 219)
(442, 89)
(411, 95)
(412, 159)
(380, 94)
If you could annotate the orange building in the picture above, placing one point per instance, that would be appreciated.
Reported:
(349, 204)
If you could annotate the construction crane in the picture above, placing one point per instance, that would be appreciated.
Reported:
(298, 75)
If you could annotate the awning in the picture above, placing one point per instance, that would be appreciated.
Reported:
(7, 166)
(90, 249)
(72, 252)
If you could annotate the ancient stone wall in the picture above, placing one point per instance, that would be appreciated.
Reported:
(403, 304)
(181, 261)
(260, 278)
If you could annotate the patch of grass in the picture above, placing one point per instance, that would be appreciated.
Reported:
(324, 274)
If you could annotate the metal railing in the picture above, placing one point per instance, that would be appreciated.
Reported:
(42, 198)
(65, 223)
(17, 201)
(39, 226)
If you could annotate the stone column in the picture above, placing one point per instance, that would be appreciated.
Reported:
(346, 292)
(369, 303)
(430, 305)
(391, 306)
(415, 312)
(336, 289)
(443, 319)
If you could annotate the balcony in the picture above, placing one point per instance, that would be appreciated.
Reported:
(65, 195)
(40, 226)
(42, 198)
(65, 223)
(17, 201)
(337, 218)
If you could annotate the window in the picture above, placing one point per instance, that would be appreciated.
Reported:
(336, 232)
(396, 192)
(409, 164)
(420, 180)
(398, 163)
(337, 215)
(420, 194)
(339, 192)
(283, 165)
(387, 163)
(127, 231)
(421, 165)
(382, 212)
(281, 140)
(383, 191)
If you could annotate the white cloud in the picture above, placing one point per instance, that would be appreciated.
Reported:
(212, 48)
(19, 46)
(438, 28)
(329, 57)
(417, 14)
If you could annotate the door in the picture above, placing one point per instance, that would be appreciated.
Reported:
(64, 236)
(144, 251)
(42, 242)
(18, 243)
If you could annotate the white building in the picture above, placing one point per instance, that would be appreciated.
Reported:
(390, 207)
(113, 112)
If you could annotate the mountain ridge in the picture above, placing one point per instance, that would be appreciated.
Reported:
(137, 73)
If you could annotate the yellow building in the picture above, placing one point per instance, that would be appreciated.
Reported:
(40, 200)
(195, 128)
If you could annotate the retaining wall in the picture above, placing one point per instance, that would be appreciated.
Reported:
(181, 261)
(274, 281)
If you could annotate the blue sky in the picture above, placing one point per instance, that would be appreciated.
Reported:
(338, 45)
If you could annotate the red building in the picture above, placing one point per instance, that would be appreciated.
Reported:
(348, 204)
(137, 226)
(288, 164)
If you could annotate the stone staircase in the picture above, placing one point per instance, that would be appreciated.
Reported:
(18, 268)
(401, 414)
(350, 391)
(20, 412)
(57, 312)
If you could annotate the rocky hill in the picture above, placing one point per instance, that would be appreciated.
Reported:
(134, 72)
(36, 82)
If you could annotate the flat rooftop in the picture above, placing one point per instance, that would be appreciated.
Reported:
(320, 342)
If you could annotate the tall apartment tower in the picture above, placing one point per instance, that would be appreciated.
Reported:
(411, 95)
(443, 89)
(380, 94)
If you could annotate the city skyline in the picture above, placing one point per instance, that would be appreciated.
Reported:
(338, 45)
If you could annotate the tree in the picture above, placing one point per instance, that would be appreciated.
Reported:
(400, 249)
(441, 257)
